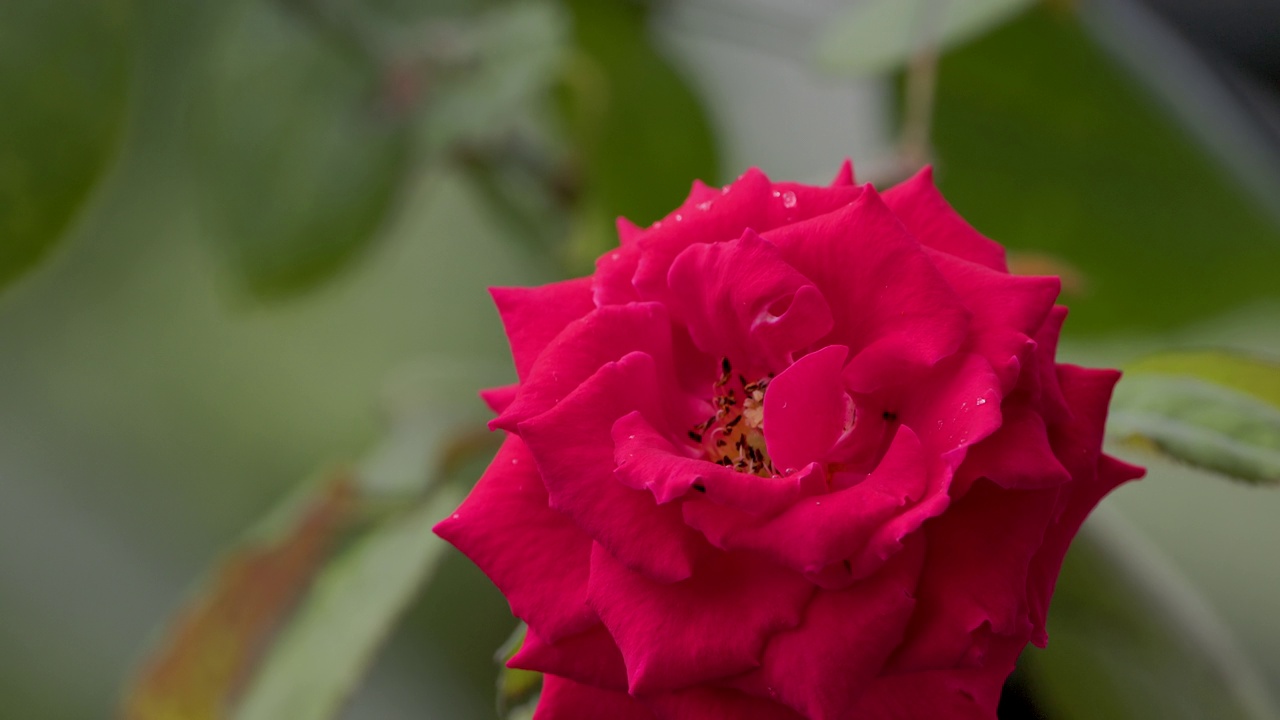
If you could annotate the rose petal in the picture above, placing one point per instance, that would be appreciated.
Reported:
(563, 699)
(822, 667)
(1016, 456)
(573, 446)
(739, 299)
(647, 460)
(534, 316)
(499, 398)
(975, 577)
(710, 626)
(830, 529)
(536, 556)
(930, 218)
(891, 307)
(604, 335)
(806, 409)
(1006, 310)
(845, 176)
(709, 703)
(589, 657)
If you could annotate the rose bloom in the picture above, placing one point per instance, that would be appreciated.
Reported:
(791, 452)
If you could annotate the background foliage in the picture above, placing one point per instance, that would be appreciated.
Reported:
(243, 248)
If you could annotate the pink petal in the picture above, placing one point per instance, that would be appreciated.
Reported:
(845, 176)
(822, 667)
(961, 694)
(567, 700)
(603, 336)
(707, 627)
(590, 657)
(826, 530)
(536, 556)
(740, 300)
(647, 460)
(975, 577)
(710, 703)
(931, 219)
(534, 316)
(1007, 310)
(499, 398)
(1077, 443)
(806, 409)
(573, 446)
(1017, 456)
(890, 305)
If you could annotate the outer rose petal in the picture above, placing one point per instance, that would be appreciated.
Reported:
(683, 634)
(1017, 456)
(822, 667)
(929, 217)
(845, 175)
(589, 657)
(806, 409)
(574, 451)
(1006, 311)
(739, 300)
(709, 703)
(602, 336)
(536, 556)
(534, 316)
(975, 576)
(499, 398)
(890, 305)
(567, 700)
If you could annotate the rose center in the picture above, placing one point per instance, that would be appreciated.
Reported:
(734, 435)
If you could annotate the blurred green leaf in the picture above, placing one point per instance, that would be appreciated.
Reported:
(293, 617)
(64, 85)
(516, 687)
(875, 36)
(1215, 410)
(1044, 144)
(301, 148)
(322, 654)
(642, 133)
(1129, 639)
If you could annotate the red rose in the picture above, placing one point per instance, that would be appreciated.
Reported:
(791, 452)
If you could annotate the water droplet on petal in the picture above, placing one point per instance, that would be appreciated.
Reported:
(982, 401)
(777, 193)
(704, 206)
(788, 199)
(679, 217)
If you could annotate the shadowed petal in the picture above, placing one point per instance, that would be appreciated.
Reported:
(567, 700)
(713, 625)
(806, 409)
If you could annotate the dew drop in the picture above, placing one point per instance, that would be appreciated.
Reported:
(788, 199)
(777, 193)
(456, 516)
(981, 401)
(615, 256)
(704, 206)
(679, 217)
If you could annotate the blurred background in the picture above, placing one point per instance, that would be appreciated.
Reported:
(244, 243)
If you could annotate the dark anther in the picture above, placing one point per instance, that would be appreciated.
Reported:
(724, 365)
(695, 436)
(890, 416)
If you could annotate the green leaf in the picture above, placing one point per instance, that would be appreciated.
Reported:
(516, 688)
(322, 654)
(642, 134)
(875, 36)
(1213, 410)
(300, 152)
(1045, 144)
(64, 89)
(1129, 639)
